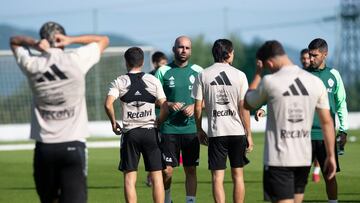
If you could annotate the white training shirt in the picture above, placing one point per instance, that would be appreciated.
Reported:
(292, 95)
(137, 114)
(57, 80)
(222, 87)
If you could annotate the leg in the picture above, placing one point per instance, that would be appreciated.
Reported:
(167, 176)
(299, 198)
(331, 188)
(129, 186)
(217, 185)
(158, 186)
(190, 181)
(239, 186)
(73, 173)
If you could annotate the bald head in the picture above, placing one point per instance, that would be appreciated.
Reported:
(182, 50)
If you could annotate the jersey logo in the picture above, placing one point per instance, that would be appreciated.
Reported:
(221, 97)
(138, 93)
(294, 90)
(172, 81)
(50, 77)
(331, 82)
(221, 79)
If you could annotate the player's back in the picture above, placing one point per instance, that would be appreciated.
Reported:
(57, 79)
(292, 96)
(223, 87)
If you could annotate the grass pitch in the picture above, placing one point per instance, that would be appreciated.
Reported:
(105, 182)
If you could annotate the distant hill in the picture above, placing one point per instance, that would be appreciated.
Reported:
(6, 31)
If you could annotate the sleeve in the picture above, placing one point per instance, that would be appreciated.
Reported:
(159, 75)
(87, 56)
(340, 102)
(323, 100)
(197, 92)
(256, 98)
(23, 58)
(244, 86)
(114, 89)
(160, 94)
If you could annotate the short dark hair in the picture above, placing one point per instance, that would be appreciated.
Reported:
(221, 50)
(270, 49)
(304, 51)
(48, 31)
(158, 56)
(318, 43)
(134, 57)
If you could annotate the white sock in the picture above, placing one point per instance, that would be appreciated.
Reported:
(167, 196)
(333, 201)
(317, 170)
(190, 199)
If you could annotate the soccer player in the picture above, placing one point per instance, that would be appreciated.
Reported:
(158, 59)
(179, 130)
(222, 88)
(59, 116)
(331, 78)
(138, 93)
(291, 101)
(305, 58)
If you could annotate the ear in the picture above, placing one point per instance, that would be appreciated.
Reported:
(173, 49)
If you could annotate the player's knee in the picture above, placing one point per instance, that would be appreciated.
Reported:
(168, 172)
(190, 171)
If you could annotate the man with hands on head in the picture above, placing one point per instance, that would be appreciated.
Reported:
(59, 115)
(291, 104)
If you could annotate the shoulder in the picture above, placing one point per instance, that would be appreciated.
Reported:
(335, 72)
(196, 68)
(162, 70)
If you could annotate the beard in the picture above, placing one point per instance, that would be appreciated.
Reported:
(181, 58)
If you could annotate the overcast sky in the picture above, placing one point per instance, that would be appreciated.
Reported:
(159, 22)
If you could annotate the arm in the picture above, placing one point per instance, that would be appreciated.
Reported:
(63, 40)
(245, 119)
(255, 83)
(28, 42)
(109, 109)
(164, 110)
(328, 130)
(198, 119)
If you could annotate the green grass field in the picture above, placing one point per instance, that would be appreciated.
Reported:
(105, 181)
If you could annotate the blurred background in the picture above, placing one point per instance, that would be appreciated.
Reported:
(155, 24)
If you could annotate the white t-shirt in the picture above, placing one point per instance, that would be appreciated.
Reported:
(222, 87)
(140, 111)
(57, 80)
(292, 95)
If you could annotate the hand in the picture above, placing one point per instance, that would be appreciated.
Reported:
(330, 167)
(341, 138)
(43, 45)
(259, 66)
(175, 106)
(62, 40)
(259, 113)
(250, 142)
(188, 110)
(202, 136)
(116, 128)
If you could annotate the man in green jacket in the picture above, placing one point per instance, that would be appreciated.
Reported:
(318, 50)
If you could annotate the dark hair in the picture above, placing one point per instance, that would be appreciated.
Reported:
(270, 49)
(318, 43)
(158, 56)
(304, 51)
(48, 31)
(134, 57)
(221, 50)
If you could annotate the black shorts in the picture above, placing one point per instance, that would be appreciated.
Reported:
(221, 147)
(189, 146)
(144, 141)
(319, 153)
(60, 171)
(284, 182)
